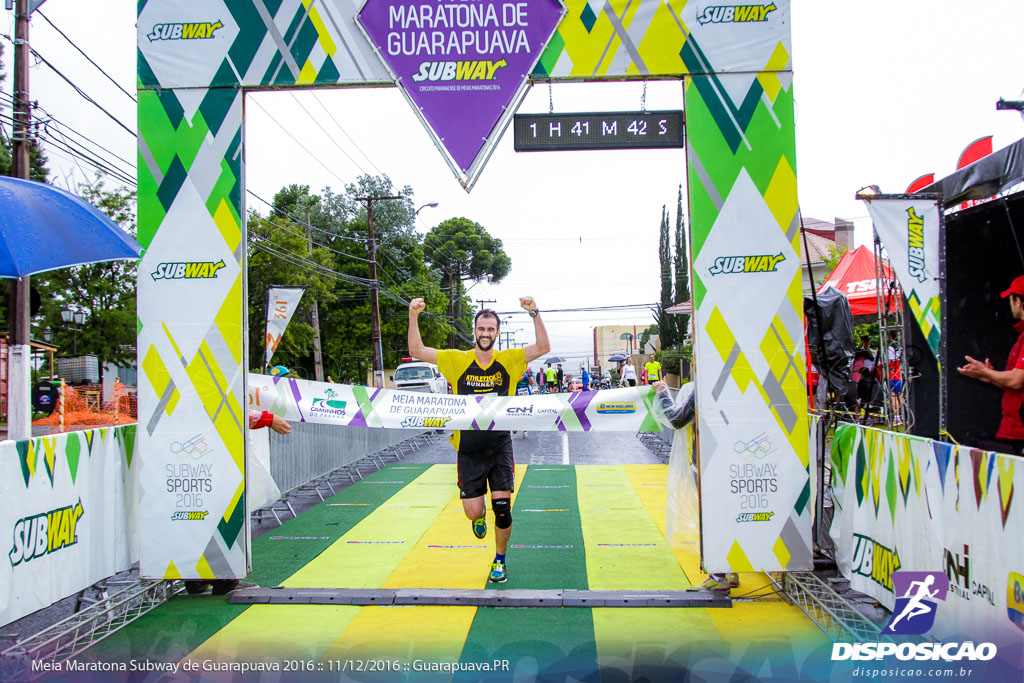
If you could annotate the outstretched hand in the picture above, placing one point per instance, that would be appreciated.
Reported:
(975, 368)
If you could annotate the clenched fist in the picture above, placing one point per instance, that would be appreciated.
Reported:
(416, 306)
(528, 303)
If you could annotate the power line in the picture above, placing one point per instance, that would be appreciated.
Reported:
(82, 93)
(303, 147)
(109, 77)
(327, 111)
(329, 137)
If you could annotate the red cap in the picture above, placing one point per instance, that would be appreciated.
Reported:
(1016, 287)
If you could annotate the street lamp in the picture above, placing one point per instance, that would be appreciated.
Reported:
(431, 205)
(77, 317)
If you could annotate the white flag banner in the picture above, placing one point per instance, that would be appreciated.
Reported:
(281, 305)
(909, 231)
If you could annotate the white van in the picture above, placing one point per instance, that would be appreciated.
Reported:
(415, 375)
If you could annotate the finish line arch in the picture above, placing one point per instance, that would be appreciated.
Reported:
(196, 60)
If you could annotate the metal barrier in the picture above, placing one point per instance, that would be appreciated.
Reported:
(313, 451)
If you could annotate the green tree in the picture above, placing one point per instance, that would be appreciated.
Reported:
(680, 263)
(462, 250)
(279, 254)
(834, 256)
(338, 229)
(105, 291)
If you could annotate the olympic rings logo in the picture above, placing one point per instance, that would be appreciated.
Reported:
(194, 448)
(759, 447)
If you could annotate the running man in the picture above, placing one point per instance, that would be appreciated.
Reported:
(914, 606)
(652, 369)
(484, 457)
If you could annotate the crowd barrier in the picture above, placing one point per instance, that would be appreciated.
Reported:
(68, 517)
(314, 450)
(908, 503)
(69, 510)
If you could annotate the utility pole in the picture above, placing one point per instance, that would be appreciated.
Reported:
(378, 350)
(318, 359)
(19, 411)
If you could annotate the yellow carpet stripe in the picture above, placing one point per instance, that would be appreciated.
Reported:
(745, 621)
(432, 632)
(342, 565)
(631, 568)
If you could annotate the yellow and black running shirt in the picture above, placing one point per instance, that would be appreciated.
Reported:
(464, 372)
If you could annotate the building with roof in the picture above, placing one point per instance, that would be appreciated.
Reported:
(823, 238)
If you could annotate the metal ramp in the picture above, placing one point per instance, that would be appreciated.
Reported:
(480, 598)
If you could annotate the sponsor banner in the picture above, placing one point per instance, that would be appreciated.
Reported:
(227, 43)
(298, 400)
(281, 305)
(655, 38)
(191, 344)
(909, 231)
(748, 320)
(68, 515)
(463, 66)
(945, 518)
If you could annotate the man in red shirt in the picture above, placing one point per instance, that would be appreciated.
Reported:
(1011, 380)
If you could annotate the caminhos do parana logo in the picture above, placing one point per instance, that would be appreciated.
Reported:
(915, 242)
(49, 532)
(186, 31)
(328, 405)
(188, 270)
(765, 263)
(735, 14)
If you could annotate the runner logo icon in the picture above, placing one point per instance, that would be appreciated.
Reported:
(916, 595)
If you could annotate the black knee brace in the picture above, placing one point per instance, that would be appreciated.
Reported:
(502, 512)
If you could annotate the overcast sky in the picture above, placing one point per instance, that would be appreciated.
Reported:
(885, 91)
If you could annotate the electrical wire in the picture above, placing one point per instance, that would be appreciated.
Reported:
(328, 112)
(329, 137)
(303, 147)
(81, 92)
(80, 50)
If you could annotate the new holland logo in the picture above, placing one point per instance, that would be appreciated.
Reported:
(616, 408)
(190, 270)
(735, 14)
(746, 264)
(46, 533)
(188, 31)
(915, 242)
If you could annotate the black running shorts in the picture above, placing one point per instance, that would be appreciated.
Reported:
(493, 466)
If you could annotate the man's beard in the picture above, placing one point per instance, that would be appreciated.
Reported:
(479, 344)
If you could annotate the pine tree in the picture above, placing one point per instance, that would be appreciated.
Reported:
(681, 323)
(665, 259)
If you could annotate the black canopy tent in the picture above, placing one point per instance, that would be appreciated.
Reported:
(984, 251)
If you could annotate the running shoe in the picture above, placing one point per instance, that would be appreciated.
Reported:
(721, 582)
(498, 573)
(480, 526)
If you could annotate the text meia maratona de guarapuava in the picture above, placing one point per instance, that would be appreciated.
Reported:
(457, 29)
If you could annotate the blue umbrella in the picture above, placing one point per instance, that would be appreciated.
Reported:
(45, 228)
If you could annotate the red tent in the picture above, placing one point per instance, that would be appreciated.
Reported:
(855, 276)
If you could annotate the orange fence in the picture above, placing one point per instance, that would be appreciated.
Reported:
(84, 407)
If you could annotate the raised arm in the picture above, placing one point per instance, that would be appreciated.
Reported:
(542, 345)
(416, 348)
